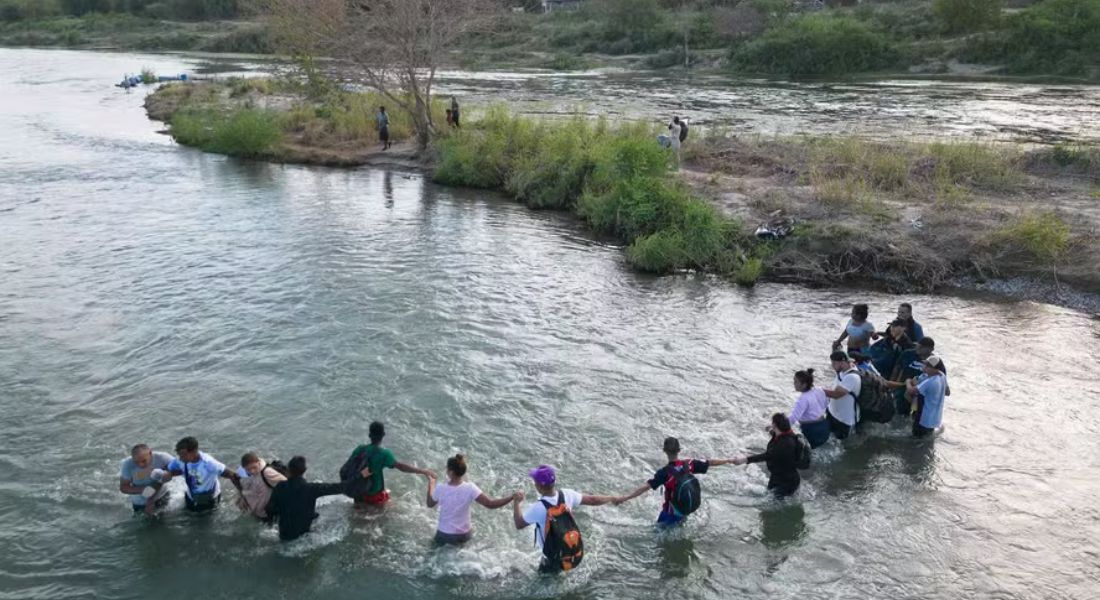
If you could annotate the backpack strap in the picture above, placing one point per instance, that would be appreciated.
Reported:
(264, 477)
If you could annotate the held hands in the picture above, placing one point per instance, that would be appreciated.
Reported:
(739, 460)
(517, 497)
(430, 474)
(617, 500)
(365, 473)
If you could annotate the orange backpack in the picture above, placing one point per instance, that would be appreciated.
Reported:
(562, 545)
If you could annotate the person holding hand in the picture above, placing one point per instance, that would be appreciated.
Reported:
(454, 499)
(781, 457)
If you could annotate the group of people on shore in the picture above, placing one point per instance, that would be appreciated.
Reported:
(275, 493)
(382, 122)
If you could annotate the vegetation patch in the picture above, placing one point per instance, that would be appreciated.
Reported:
(1043, 236)
(817, 44)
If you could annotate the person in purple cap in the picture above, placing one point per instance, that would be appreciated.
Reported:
(556, 531)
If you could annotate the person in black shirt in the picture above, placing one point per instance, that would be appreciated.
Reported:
(294, 501)
(667, 475)
(781, 457)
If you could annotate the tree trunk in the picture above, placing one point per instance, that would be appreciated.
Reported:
(422, 121)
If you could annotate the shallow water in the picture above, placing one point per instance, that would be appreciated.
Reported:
(151, 291)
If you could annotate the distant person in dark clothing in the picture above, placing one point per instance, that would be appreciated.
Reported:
(454, 112)
(382, 123)
(294, 501)
(912, 328)
(781, 456)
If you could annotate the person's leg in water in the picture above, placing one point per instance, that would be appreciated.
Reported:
(451, 539)
(670, 518)
(376, 502)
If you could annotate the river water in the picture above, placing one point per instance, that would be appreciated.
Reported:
(150, 292)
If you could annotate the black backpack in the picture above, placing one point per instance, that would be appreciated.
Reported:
(683, 131)
(803, 452)
(876, 401)
(686, 493)
(276, 465)
(359, 460)
(562, 544)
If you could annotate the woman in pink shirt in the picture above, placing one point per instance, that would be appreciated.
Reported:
(454, 498)
(809, 410)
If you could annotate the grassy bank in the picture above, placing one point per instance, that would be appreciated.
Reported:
(129, 32)
(905, 215)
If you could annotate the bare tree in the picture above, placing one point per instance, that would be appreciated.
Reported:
(393, 46)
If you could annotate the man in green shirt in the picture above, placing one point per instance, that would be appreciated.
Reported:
(372, 491)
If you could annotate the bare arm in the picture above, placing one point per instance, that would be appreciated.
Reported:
(517, 515)
(717, 462)
(231, 476)
(632, 495)
(127, 487)
(431, 490)
(406, 468)
(596, 500)
(836, 392)
(490, 503)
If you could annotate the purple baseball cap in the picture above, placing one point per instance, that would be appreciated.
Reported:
(543, 475)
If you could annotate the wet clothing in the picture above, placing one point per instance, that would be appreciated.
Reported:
(454, 502)
(930, 399)
(816, 432)
(367, 490)
(885, 352)
(204, 491)
(810, 406)
(845, 409)
(452, 539)
(256, 489)
(665, 477)
(910, 365)
(294, 505)
(859, 336)
(132, 474)
(781, 457)
(914, 330)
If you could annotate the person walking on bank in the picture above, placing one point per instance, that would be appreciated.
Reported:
(382, 124)
(455, 112)
(810, 409)
(294, 501)
(454, 499)
(556, 531)
(372, 491)
(782, 457)
(843, 412)
(674, 131)
(682, 489)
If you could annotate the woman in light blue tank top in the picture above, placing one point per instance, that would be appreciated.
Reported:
(859, 331)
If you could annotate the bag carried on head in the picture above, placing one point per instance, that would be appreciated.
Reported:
(686, 492)
(804, 452)
(562, 547)
(876, 401)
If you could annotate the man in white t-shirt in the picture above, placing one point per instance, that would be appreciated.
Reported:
(200, 472)
(843, 412)
(556, 558)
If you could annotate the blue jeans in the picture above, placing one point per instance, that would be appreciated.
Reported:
(670, 518)
(817, 432)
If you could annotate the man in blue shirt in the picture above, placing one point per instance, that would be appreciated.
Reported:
(141, 477)
(929, 390)
(201, 472)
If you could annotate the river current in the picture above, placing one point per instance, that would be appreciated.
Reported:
(150, 291)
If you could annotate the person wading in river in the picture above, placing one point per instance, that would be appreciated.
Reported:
(454, 499)
(257, 480)
(372, 491)
(294, 501)
(141, 477)
(859, 331)
(843, 412)
(682, 489)
(810, 409)
(556, 532)
(781, 457)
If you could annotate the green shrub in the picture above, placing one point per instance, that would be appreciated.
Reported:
(965, 16)
(816, 44)
(246, 133)
(1042, 236)
(749, 272)
(1052, 37)
(973, 163)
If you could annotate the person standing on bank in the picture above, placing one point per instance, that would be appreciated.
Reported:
(141, 477)
(843, 412)
(810, 409)
(382, 124)
(201, 472)
(682, 489)
(455, 112)
(674, 131)
(454, 499)
(781, 457)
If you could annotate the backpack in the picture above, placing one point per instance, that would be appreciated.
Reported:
(277, 466)
(686, 492)
(359, 460)
(876, 401)
(683, 131)
(803, 452)
(562, 545)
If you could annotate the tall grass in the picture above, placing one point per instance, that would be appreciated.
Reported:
(615, 178)
(1043, 236)
(816, 44)
(248, 133)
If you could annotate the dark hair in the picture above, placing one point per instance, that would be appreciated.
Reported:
(138, 449)
(457, 465)
(838, 356)
(860, 310)
(907, 305)
(671, 445)
(805, 377)
(781, 422)
(296, 467)
(377, 432)
(675, 119)
(188, 443)
(382, 108)
(899, 323)
(249, 458)
(927, 342)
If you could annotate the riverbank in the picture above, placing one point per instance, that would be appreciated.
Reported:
(128, 32)
(925, 217)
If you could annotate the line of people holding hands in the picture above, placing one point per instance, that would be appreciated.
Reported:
(279, 494)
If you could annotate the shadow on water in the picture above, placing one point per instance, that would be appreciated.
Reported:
(782, 526)
(677, 556)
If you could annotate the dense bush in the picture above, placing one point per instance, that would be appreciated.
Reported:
(816, 45)
(247, 133)
(965, 16)
(616, 179)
